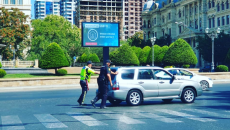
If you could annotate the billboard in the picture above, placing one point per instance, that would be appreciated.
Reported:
(98, 34)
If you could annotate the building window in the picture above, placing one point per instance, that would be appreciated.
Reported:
(155, 20)
(12, 2)
(222, 5)
(179, 29)
(169, 31)
(209, 5)
(163, 32)
(169, 16)
(223, 20)
(179, 14)
(218, 21)
(200, 22)
(213, 3)
(5, 1)
(227, 19)
(210, 23)
(163, 19)
(196, 25)
(155, 34)
(213, 22)
(218, 7)
(227, 5)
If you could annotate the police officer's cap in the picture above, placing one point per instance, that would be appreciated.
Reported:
(89, 62)
(108, 61)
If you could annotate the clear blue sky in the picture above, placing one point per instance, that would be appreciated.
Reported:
(32, 9)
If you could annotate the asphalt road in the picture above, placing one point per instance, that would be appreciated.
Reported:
(58, 109)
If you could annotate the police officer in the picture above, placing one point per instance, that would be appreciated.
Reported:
(85, 78)
(103, 80)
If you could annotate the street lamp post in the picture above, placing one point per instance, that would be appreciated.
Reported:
(153, 39)
(14, 50)
(212, 35)
(181, 23)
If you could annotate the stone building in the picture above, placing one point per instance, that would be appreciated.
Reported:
(161, 17)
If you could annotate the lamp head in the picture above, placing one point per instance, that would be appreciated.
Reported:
(206, 30)
(17, 46)
(218, 30)
(154, 38)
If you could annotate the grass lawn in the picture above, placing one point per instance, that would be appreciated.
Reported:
(37, 75)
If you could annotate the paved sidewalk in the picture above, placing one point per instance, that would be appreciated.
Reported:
(68, 86)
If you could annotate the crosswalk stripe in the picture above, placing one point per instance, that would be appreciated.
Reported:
(85, 119)
(123, 118)
(11, 123)
(159, 118)
(207, 112)
(49, 121)
(192, 117)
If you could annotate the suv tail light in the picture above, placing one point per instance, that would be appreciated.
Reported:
(115, 86)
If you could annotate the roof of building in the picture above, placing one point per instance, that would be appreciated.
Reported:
(159, 4)
(148, 5)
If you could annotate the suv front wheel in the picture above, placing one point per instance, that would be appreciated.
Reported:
(188, 95)
(134, 98)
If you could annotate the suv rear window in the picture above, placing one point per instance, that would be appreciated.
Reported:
(113, 75)
(127, 74)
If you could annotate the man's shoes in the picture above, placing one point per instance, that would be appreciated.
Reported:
(93, 103)
(83, 104)
(79, 103)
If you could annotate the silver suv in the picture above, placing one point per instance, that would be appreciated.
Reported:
(135, 84)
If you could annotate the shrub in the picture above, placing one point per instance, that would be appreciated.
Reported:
(186, 66)
(94, 58)
(221, 68)
(62, 72)
(144, 55)
(0, 65)
(2, 73)
(180, 53)
(124, 55)
(82, 58)
(137, 51)
(53, 58)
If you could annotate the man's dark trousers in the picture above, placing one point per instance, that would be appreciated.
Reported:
(103, 89)
(84, 88)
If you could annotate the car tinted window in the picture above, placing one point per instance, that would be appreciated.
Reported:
(145, 74)
(162, 75)
(174, 72)
(113, 75)
(185, 73)
(127, 74)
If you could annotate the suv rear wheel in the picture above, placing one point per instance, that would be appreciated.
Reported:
(188, 95)
(134, 98)
(115, 101)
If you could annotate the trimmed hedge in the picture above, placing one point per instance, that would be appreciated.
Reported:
(144, 55)
(180, 53)
(124, 55)
(94, 58)
(2, 73)
(186, 66)
(0, 65)
(221, 68)
(62, 72)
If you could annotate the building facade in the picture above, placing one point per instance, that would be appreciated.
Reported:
(22, 5)
(161, 17)
(99, 11)
(132, 16)
(65, 8)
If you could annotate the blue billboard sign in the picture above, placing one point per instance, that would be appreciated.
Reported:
(98, 34)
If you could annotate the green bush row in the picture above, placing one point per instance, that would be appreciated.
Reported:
(2, 73)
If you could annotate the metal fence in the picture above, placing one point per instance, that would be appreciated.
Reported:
(17, 63)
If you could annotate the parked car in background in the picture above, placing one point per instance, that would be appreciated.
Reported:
(136, 84)
(181, 73)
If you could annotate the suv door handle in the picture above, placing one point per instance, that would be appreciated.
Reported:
(141, 82)
(161, 82)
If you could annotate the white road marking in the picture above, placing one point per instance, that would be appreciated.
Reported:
(85, 119)
(192, 117)
(123, 118)
(49, 121)
(207, 113)
(11, 123)
(159, 118)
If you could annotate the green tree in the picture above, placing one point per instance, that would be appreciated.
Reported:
(144, 55)
(157, 50)
(180, 53)
(0, 65)
(14, 31)
(164, 40)
(227, 58)
(221, 47)
(137, 51)
(55, 29)
(124, 55)
(83, 58)
(53, 58)
(136, 39)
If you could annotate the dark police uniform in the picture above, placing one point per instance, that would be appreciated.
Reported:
(102, 81)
